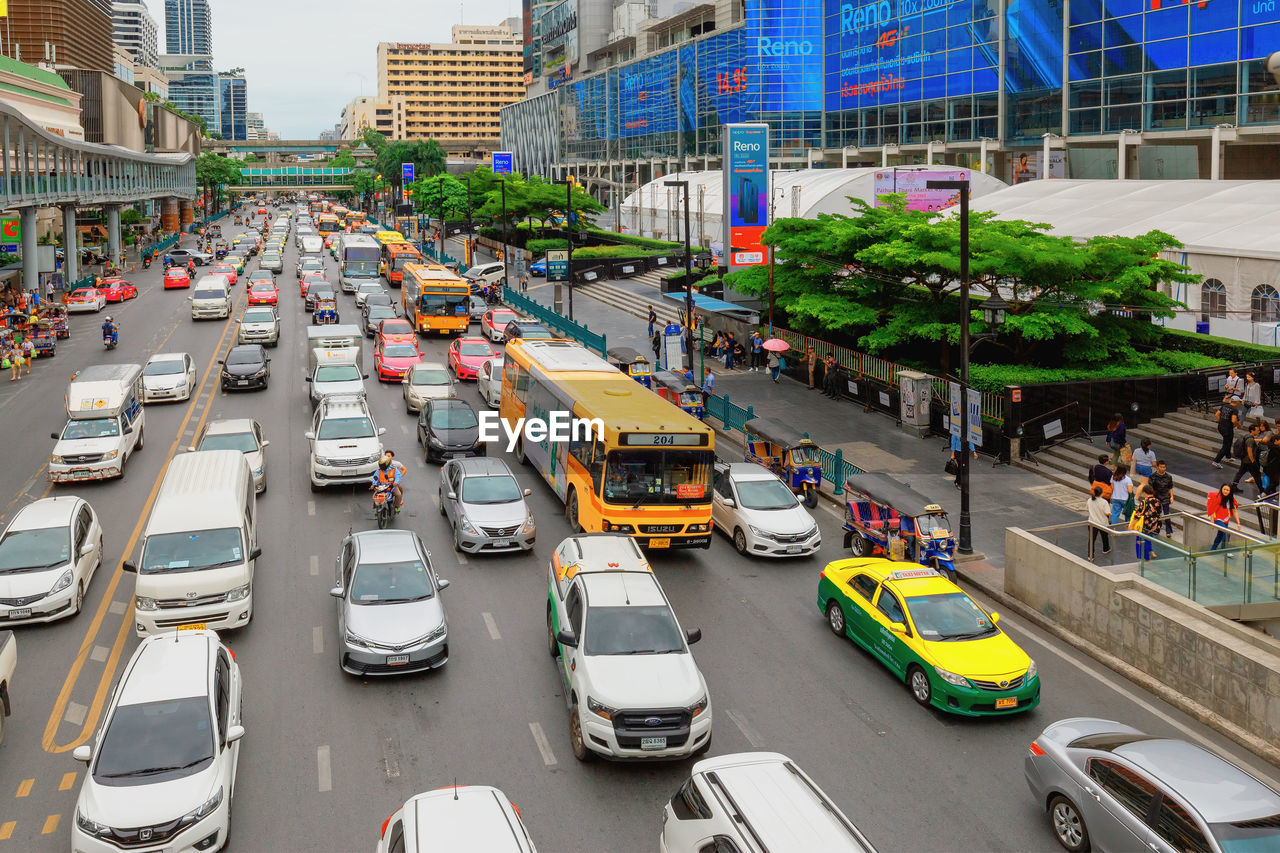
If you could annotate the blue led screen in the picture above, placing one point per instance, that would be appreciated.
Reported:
(646, 95)
(785, 44)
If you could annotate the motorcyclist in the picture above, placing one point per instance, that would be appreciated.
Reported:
(191, 267)
(168, 261)
(386, 475)
(110, 331)
(401, 471)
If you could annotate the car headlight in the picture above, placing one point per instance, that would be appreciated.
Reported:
(758, 532)
(63, 582)
(529, 526)
(698, 528)
(434, 442)
(698, 707)
(143, 603)
(812, 531)
(110, 454)
(952, 678)
(466, 525)
(55, 459)
(1031, 671)
(203, 812)
(239, 593)
(356, 640)
(324, 460)
(438, 632)
(91, 827)
(600, 710)
(614, 527)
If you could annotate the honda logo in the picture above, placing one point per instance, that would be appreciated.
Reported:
(144, 834)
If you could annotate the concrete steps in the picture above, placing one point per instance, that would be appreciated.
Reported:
(1193, 432)
(627, 302)
(654, 278)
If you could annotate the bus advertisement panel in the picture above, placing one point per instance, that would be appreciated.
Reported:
(648, 474)
(397, 256)
(435, 299)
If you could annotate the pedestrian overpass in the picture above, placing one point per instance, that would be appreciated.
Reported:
(294, 178)
(277, 146)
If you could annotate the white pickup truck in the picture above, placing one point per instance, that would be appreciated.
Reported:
(8, 663)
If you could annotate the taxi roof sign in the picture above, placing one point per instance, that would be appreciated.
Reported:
(913, 574)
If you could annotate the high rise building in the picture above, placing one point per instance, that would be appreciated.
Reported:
(452, 92)
(386, 117)
(66, 33)
(188, 27)
(193, 87)
(234, 103)
(133, 29)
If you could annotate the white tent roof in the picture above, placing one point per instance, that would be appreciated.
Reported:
(1237, 218)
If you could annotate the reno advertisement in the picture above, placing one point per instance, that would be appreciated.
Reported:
(746, 192)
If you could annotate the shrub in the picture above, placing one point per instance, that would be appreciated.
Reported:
(612, 252)
(1177, 362)
(1221, 348)
(541, 247)
(636, 240)
(994, 377)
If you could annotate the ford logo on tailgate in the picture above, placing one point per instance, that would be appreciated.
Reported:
(652, 721)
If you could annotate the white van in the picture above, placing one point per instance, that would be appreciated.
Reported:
(310, 244)
(104, 425)
(489, 273)
(211, 297)
(199, 547)
(755, 802)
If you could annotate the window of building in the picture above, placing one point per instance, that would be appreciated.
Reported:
(1264, 304)
(1213, 299)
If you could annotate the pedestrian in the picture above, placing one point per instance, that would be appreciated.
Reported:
(1121, 492)
(1146, 520)
(1249, 459)
(656, 343)
(1222, 511)
(729, 346)
(1116, 436)
(1228, 419)
(653, 318)
(48, 291)
(708, 382)
(1144, 458)
(757, 351)
(955, 456)
(829, 376)
(1160, 486)
(688, 376)
(1100, 475)
(1099, 509)
(1233, 388)
(811, 358)
(524, 283)
(1252, 398)
(1270, 461)
(775, 365)
(12, 355)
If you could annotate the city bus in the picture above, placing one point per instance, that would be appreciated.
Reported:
(358, 259)
(650, 473)
(386, 238)
(435, 299)
(340, 212)
(326, 224)
(396, 256)
(356, 218)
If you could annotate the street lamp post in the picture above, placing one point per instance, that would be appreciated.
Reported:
(704, 263)
(568, 237)
(688, 275)
(505, 281)
(440, 185)
(467, 242)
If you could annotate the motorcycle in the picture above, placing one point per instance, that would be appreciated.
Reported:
(146, 262)
(384, 505)
(110, 339)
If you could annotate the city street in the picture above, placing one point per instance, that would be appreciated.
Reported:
(327, 756)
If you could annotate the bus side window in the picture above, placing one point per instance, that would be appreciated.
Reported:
(521, 383)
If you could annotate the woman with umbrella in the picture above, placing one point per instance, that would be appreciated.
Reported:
(775, 347)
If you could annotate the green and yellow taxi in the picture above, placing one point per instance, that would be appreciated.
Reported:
(945, 647)
(237, 260)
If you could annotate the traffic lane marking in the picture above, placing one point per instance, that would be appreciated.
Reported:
(317, 639)
(315, 565)
(24, 787)
(324, 769)
(491, 625)
(50, 824)
(68, 779)
(739, 719)
(544, 746)
(6, 829)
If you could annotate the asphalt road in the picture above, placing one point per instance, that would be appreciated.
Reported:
(327, 757)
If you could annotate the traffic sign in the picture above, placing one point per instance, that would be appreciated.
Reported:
(10, 248)
(558, 265)
(406, 173)
(502, 162)
(11, 229)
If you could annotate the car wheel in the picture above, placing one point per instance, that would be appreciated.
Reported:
(316, 488)
(79, 599)
(859, 546)
(1068, 824)
(739, 541)
(142, 438)
(835, 618)
(408, 408)
(571, 513)
(576, 741)
(921, 689)
(443, 514)
(520, 457)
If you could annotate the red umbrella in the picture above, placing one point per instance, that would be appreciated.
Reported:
(776, 345)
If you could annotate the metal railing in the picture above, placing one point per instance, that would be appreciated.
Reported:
(554, 321)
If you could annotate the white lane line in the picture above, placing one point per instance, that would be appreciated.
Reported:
(99, 653)
(75, 713)
(324, 769)
(422, 463)
(118, 607)
(317, 639)
(544, 746)
(311, 507)
(740, 720)
(462, 559)
(315, 565)
(491, 625)
(404, 428)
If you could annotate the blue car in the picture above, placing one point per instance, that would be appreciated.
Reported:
(538, 267)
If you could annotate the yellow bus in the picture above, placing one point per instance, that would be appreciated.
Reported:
(340, 212)
(435, 299)
(386, 238)
(326, 224)
(650, 473)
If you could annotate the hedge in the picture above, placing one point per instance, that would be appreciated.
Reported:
(994, 377)
(1221, 348)
(541, 247)
(647, 242)
(619, 252)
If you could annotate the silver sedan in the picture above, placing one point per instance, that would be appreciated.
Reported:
(485, 506)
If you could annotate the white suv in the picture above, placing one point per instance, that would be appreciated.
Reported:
(162, 769)
(632, 686)
(345, 441)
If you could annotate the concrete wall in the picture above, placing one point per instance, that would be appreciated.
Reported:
(1231, 671)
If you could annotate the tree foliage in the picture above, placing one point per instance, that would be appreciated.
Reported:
(376, 141)
(533, 199)
(426, 155)
(214, 173)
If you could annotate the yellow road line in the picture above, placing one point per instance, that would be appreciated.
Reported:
(68, 779)
(24, 787)
(64, 695)
(6, 829)
(50, 824)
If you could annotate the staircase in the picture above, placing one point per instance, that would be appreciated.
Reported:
(653, 277)
(628, 302)
(1186, 429)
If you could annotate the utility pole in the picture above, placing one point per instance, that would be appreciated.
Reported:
(688, 276)
(440, 185)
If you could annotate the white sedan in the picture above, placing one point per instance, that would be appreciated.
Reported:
(86, 301)
(48, 555)
(168, 376)
(494, 323)
(760, 513)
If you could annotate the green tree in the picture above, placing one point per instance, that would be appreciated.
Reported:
(376, 141)
(428, 193)
(214, 174)
(130, 217)
(426, 155)
(342, 160)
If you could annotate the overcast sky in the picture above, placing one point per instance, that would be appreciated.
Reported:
(304, 61)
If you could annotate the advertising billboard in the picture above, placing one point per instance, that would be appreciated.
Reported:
(785, 43)
(647, 97)
(502, 162)
(915, 184)
(746, 192)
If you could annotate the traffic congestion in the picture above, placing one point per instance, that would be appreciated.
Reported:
(300, 538)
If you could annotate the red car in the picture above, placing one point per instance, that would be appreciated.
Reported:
(176, 277)
(313, 279)
(117, 289)
(467, 354)
(392, 359)
(397, 331)
(494, 323)
(264, 293)
(229, 270)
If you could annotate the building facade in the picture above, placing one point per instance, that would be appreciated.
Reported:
(133, 29)
(366, 111)
(64, 33)
(193, 86)
(233, 107)
(452, 92)
(42, 96)
(1086, 88)
(188, 27)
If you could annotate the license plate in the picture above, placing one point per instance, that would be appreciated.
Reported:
(502, 543)
(659, 543)
(397, 660)
(653, 743)
(80, 475)
(242, 381)
(194, 626)
(455, 455)
(795, 549)
(1010, 702)
(347, 472)
(20, 613)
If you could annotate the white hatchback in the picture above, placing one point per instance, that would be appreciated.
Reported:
(168, 376)
(457, 817)
(48, 555)
(162, 769)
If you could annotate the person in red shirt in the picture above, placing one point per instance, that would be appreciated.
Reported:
(1222, 511)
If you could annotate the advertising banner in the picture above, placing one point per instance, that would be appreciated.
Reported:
(1027, 166)
(557, 265)
(746, 192)
(502, 162)
(915, 184)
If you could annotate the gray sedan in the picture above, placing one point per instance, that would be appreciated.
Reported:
(485, 506)
(1109, 787)
(390, 618)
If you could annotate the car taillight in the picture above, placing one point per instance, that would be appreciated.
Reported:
(231, 652)
(517, 810)
(1035, 748)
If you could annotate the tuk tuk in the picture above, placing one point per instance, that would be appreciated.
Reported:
(56, 316)
(787, 453)
(879, 508)
(632, 363)
(44, 339)
(326, 313)
(679, 391)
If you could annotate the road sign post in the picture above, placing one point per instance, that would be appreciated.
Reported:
(558, 265)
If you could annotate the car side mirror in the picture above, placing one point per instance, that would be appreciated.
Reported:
(266, 443)
(309, 436)
(995, 617)
(693, 635)
(307, 379)
(255, 553)
(442, 583)
(366, 376)
(53, 435)
(898, 627)
(129, 566)
(191, 449)
(239, 321)
(222, 363)
(234, 733)
(566, 638)
(336, 592)
(453, 496)
(728, 502)
(83, 753)
(528, 492)
(382, 430)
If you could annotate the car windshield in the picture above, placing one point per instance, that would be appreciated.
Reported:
(239, 356)
(91, 428)
(764, 494)
(164, 368)
(501, 318)
(453, 418)
(534, 333)
(169, 739)
(401, 328)
(476, 350)
(263, 286)
(381, 312)
(429, 376)
(369, 288)
(259, 317)
(490, 490)
(804, 455)
(337, 373)
(190, 551)
(210, 294)
(648, 630)
(658, 476)
(242, 441)
(400, 351)
(340, 428)
(391, 583)
(952, 616)
(33, 550)
(1261, 835)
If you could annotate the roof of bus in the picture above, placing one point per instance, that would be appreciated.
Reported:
(389, 237)
(434, 272)
(401, 248)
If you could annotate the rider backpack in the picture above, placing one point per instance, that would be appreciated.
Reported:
(1237, 449)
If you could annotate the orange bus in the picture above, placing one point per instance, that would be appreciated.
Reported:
(397, 255)
(326, 224)
(356, 218)
(435, 299)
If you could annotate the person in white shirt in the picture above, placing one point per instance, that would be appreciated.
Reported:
(1120, 487)
(1100, 514)
(1234, 386)
(1144, 459)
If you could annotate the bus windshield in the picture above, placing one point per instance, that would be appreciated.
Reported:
(658, 476)
(397, 264)
(360, 260)
(444, 305)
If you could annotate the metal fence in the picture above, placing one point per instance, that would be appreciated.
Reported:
(556, 322)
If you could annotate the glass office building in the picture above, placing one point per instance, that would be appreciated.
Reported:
(234, 106)
(859, 75)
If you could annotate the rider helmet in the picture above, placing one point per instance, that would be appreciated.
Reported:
(384, 463)
(108, 319)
